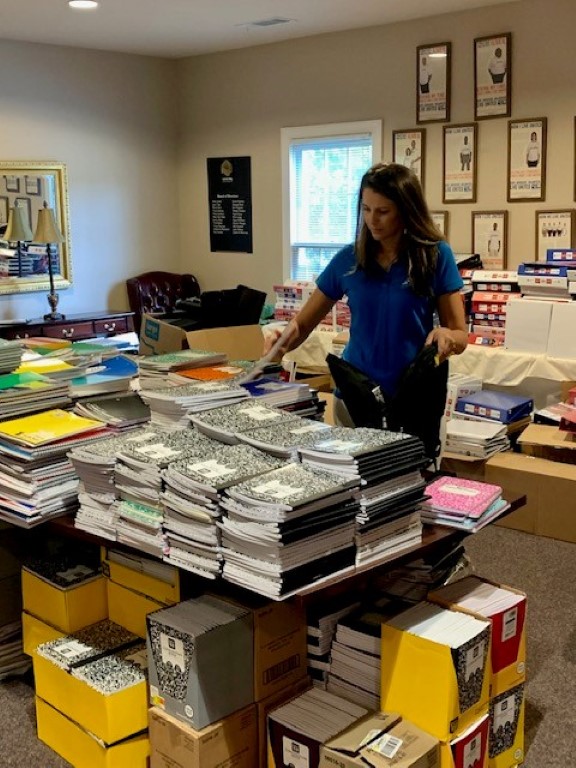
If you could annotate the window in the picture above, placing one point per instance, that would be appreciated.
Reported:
(322, 168)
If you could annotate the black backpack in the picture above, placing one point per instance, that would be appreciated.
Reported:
(415, 408)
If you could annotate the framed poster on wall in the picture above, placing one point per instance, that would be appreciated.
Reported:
(527, 159)
(441, 219)
(492, 76)
(554, 229)
(433, 82)
(459, 168)
(230, 204)
(490, 238)
(409, 149)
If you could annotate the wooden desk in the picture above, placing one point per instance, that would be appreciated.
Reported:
(74, 327)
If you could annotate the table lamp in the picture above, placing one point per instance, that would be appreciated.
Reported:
(47, 232)
(17, 231)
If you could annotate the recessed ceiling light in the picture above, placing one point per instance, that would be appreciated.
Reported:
(84, 5)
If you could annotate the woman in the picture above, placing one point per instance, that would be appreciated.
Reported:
(396, 275)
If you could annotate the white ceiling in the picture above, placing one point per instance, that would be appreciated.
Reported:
(177, 28)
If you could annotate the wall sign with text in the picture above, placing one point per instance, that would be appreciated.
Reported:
(230, 202)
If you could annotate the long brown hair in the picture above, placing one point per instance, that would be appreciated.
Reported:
(419, 245)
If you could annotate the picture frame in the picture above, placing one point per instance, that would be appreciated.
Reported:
(459, 163)
(433, 82)
(409, 149)
(490, 238)
(554, 229)
(493, 76)
(4, 210)
(442, 220)
(12, 183)
(527, 159)
(27, 272)
(32, 185)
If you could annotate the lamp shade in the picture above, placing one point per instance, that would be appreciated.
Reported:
(18, 226)
(47, 230)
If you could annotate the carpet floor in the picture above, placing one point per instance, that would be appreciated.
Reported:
(544, 568)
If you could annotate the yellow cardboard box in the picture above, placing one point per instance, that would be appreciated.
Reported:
(440, 689)
(110, 717)
(67, 609)
(129, 573)
(80, 748)
(35, 632)
(129, 608)
(229, 743)
(506, 736)
(508, 654)
(467, 748)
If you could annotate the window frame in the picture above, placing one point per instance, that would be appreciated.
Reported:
(330, 131)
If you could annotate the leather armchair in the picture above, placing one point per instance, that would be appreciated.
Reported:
(157, 292)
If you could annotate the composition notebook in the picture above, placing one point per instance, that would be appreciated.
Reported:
(459, 496)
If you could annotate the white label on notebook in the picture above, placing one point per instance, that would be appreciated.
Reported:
(211, 468)
(72, 649)
(475, 659)
(277, 489)
(472, 752)
(339, 445)
(509, 624)
(172, 650)
(459, 491)
(259, 414)
(158, 451)
(318, 427)
(503, 713)
(141, 438)
(295, 754)
(75, 573)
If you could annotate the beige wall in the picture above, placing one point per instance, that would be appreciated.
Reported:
(112, 119)
(235, 103)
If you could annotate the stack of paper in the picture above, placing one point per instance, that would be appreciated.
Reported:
(170, 406)
(86, 645)
(114, 374)
(13, 660)
(191, 502)
(480, 597)
(294, 396)
(37, 481)
(480, 439)
(388, 464)
(10, 355)
(154, 369)
(22, 393)
(287, 529)
(54, 367)
(460, 503)
(355, 653)
(230, 370)
(285, 439)
(227, 422)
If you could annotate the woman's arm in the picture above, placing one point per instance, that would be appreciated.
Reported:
(452, 335)
(315, 309)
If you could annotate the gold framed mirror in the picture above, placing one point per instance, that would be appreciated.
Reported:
(24, 264)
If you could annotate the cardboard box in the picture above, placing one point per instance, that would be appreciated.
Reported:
(508, 647)
(506, 735)
(280, 653)
(78, 747)
(550, 488)
(110, 717)
(423, 680)
(69, 608)
(229, 743)
(129, 608)
(469, 467)
(167, 592)
(467, 748)
(369, 744)
(241, 342)
(265, 706)
(547, 442)
(197, 676)
(35, 632)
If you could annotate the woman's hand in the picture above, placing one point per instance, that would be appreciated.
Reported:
(280, 341)
(443, 337)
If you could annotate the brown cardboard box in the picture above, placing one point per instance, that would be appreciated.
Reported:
(550, 488)
(265, 706)
(229, 743)
(463, 466)
(241, 342)
(547, 442)
(349, 750)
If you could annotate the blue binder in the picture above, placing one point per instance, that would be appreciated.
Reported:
(498, 406)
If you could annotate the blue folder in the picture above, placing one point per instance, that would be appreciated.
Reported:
(498, 406)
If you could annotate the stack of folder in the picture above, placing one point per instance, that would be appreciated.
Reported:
(22, 393)
(479, 439)
(121, 412)
(155, 369)
(321, 621)
(114, 374)
(10, 355)
(495, 406)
